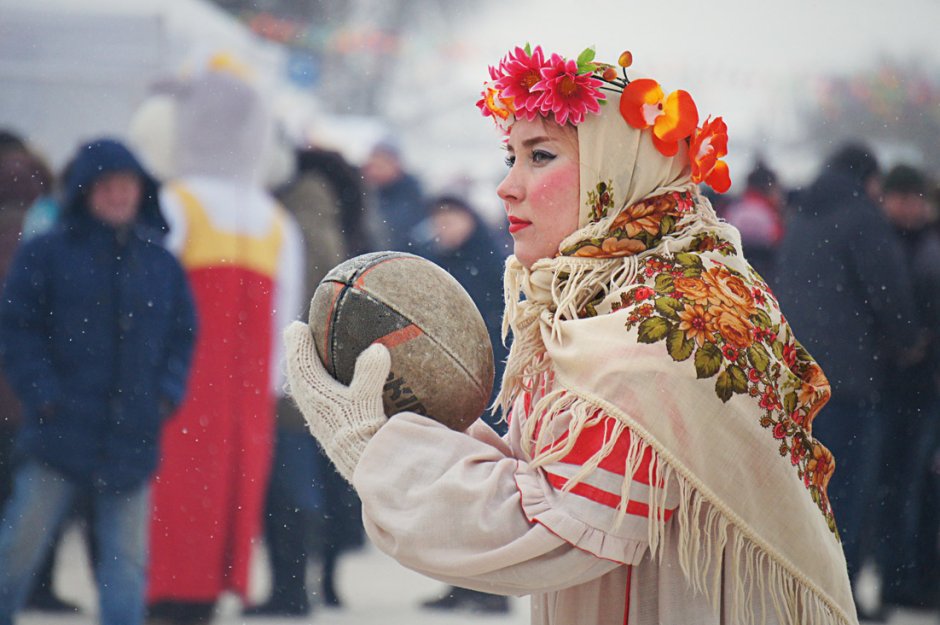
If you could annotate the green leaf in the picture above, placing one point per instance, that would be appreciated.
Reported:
(738, 378)
(653, 329)
(778, 350)
(586, 57)
(689, 260)
(669, 307)
(528, 49)
(723, 386)
(789, 402)
(666, 225)
(758, 356)
(678, 345)
(664, 283)
(762, 319)
(707, 360)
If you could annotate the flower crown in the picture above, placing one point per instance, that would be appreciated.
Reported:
(526, 84)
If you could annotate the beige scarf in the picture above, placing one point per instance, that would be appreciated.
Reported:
(651, 315)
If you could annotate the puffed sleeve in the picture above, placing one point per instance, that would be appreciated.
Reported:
(450, 505)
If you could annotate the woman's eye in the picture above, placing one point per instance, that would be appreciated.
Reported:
(510, 161)
(541, 156)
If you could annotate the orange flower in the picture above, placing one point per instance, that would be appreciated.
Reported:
(642, 217)
(673, 117)
(735, 330)
(692, 289)
(709, 145)
(821, 466)
(611, 247)
(729, 290)
(814, 391)
(696, 322)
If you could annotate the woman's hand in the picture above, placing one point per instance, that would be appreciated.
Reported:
(343, 418)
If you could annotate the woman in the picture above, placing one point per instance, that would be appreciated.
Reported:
(659, 465)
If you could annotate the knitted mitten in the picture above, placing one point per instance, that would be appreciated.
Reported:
(343, 418)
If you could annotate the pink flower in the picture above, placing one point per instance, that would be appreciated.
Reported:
(520, 72)
(568, 94)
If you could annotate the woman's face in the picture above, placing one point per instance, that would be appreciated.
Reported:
(540, 192)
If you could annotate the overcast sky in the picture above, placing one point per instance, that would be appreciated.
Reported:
(753, 62)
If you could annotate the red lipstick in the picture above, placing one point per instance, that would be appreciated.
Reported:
(516, 224)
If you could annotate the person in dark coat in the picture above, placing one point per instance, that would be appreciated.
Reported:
(455, 237)
(842, 278)
(912, 405)
(96, 336)
(25, 182)
(399, 200)
(310, 511)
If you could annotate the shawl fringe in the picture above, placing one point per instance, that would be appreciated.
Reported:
(708, 533)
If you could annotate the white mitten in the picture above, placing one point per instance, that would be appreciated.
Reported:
(343, 418)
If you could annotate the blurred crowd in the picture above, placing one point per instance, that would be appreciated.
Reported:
(854, 260)
(142, 396)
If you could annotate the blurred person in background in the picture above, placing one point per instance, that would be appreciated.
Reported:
(758, 216)
(912, 403)
(97, 326)
(26, 183)
(846, 288)
(457, 239)
(398, 200)
(310, 509)
(242, 254)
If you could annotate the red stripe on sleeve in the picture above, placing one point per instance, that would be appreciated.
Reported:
(597, 495)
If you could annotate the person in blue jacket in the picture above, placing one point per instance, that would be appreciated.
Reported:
(96, 335)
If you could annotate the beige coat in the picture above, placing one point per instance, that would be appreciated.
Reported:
(461, 508)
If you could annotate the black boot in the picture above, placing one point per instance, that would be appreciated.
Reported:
(470, 600)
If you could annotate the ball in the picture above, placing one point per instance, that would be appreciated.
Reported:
(442, 359)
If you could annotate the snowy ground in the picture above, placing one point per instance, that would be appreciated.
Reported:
(376, 589)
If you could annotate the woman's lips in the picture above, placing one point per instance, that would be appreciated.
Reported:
(516, 224)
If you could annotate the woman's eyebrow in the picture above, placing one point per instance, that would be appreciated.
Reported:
(534, 140)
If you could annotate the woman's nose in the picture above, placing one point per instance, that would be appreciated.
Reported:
(509, 188)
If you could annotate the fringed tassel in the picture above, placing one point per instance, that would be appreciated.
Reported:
(713, 553)
(717, 557)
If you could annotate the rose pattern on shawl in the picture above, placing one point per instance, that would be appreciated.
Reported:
(729, 327)
(637, 228)
(601, 199)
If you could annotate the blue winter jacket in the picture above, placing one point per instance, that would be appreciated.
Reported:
(96, 335)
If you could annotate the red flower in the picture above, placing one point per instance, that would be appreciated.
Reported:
(520, 72)
(789, 355)
(709, 145)
(758, 296)
(753, 375)
(730, 353)
(797, 451)
(644, 292)
(568, 94)
(780, 431)
(769, 400)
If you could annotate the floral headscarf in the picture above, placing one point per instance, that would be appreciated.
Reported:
(650, 314)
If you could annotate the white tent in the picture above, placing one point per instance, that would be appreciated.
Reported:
(75, 70)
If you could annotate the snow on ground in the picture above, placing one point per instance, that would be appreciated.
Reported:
(376, 590)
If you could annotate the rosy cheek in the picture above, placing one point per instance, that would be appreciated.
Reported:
(557, 186)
